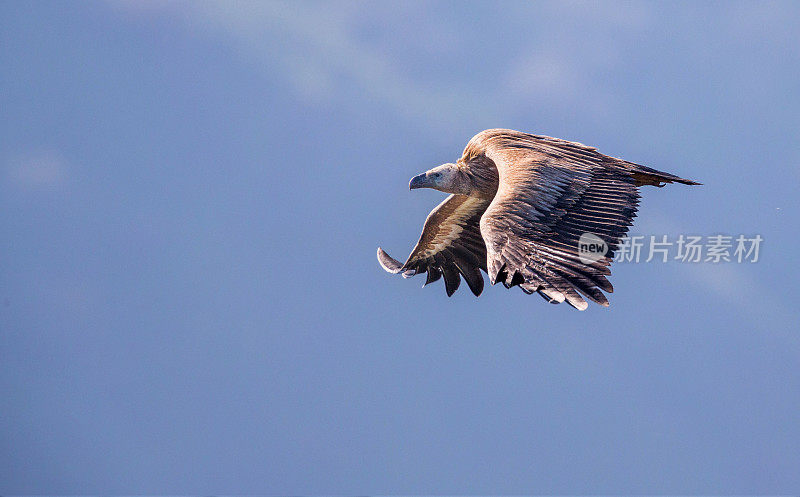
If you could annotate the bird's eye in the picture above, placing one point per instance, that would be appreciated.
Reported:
(437, 175)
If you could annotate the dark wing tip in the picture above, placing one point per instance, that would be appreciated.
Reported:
(451, 280)
(475, 283)
(388, 263)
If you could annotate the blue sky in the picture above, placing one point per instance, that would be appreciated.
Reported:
(191, 195)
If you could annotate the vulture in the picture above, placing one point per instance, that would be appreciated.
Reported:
(518, 208)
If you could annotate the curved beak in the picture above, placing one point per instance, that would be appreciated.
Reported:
(419, 181)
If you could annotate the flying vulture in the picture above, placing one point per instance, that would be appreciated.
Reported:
(519, 207)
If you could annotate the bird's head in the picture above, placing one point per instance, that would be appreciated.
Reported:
(448, 178)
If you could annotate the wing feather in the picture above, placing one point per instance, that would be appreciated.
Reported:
(450, 246)
(551, 192)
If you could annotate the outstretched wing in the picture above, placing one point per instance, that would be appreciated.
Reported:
(551, 192)
(450, 244)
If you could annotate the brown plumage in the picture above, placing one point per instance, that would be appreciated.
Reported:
(518, 206)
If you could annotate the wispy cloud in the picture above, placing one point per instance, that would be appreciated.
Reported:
(732, 282)
(323, 52)
(37, 170)
(564, 67)
(318, 49)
